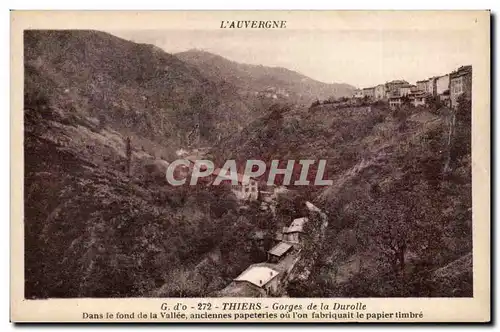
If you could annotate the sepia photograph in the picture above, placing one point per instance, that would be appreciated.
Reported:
(250, 159)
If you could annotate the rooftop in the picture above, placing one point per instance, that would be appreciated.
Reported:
(239, 289)
(463, 70)
(311, 207)
(280, 249)
(257, 275)
(397, 82)
(297, 225)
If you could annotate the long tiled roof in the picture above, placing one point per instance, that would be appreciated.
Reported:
(280, 249)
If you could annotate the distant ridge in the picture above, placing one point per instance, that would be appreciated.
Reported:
(257, 78)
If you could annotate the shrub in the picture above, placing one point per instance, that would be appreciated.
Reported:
(36, 99)
(434, 103)
(315, 103)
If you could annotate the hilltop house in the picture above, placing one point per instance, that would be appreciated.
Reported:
(369, 92)
(438, 86)
(395, 99)
(426, 86)
(430, 86)
(384, 91)
(358, 93)
(393, 86)
(405, 89)
(422, 85)
(442, 88)
(380, 92)
(447, 88)
(460, 83)
(395, 102)
(418, 98)
(442, 84)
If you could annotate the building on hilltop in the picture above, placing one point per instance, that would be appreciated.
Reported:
(380, 92)
(430, 86)
(442, 88)
(405, 89)
(422, 85)
(426, 86)
(442, 84)
(395, 99)
(393, 86)
(418, 98)
(369, 92)
(460, 84)
(358, 94)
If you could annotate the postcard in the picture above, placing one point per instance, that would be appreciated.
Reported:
(250, 166)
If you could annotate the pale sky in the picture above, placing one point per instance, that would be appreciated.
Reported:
(359, 58)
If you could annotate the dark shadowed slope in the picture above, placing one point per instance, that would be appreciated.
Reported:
(131, 87)
(90, 229)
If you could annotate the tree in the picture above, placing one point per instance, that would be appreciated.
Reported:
(405, 100)
(434, 103)
(36, 99)
(315, 103)
(401, 221)
(330, 100)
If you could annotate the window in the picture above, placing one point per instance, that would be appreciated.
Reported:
(457, 87)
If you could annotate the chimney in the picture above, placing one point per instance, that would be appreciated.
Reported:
(260, 282)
